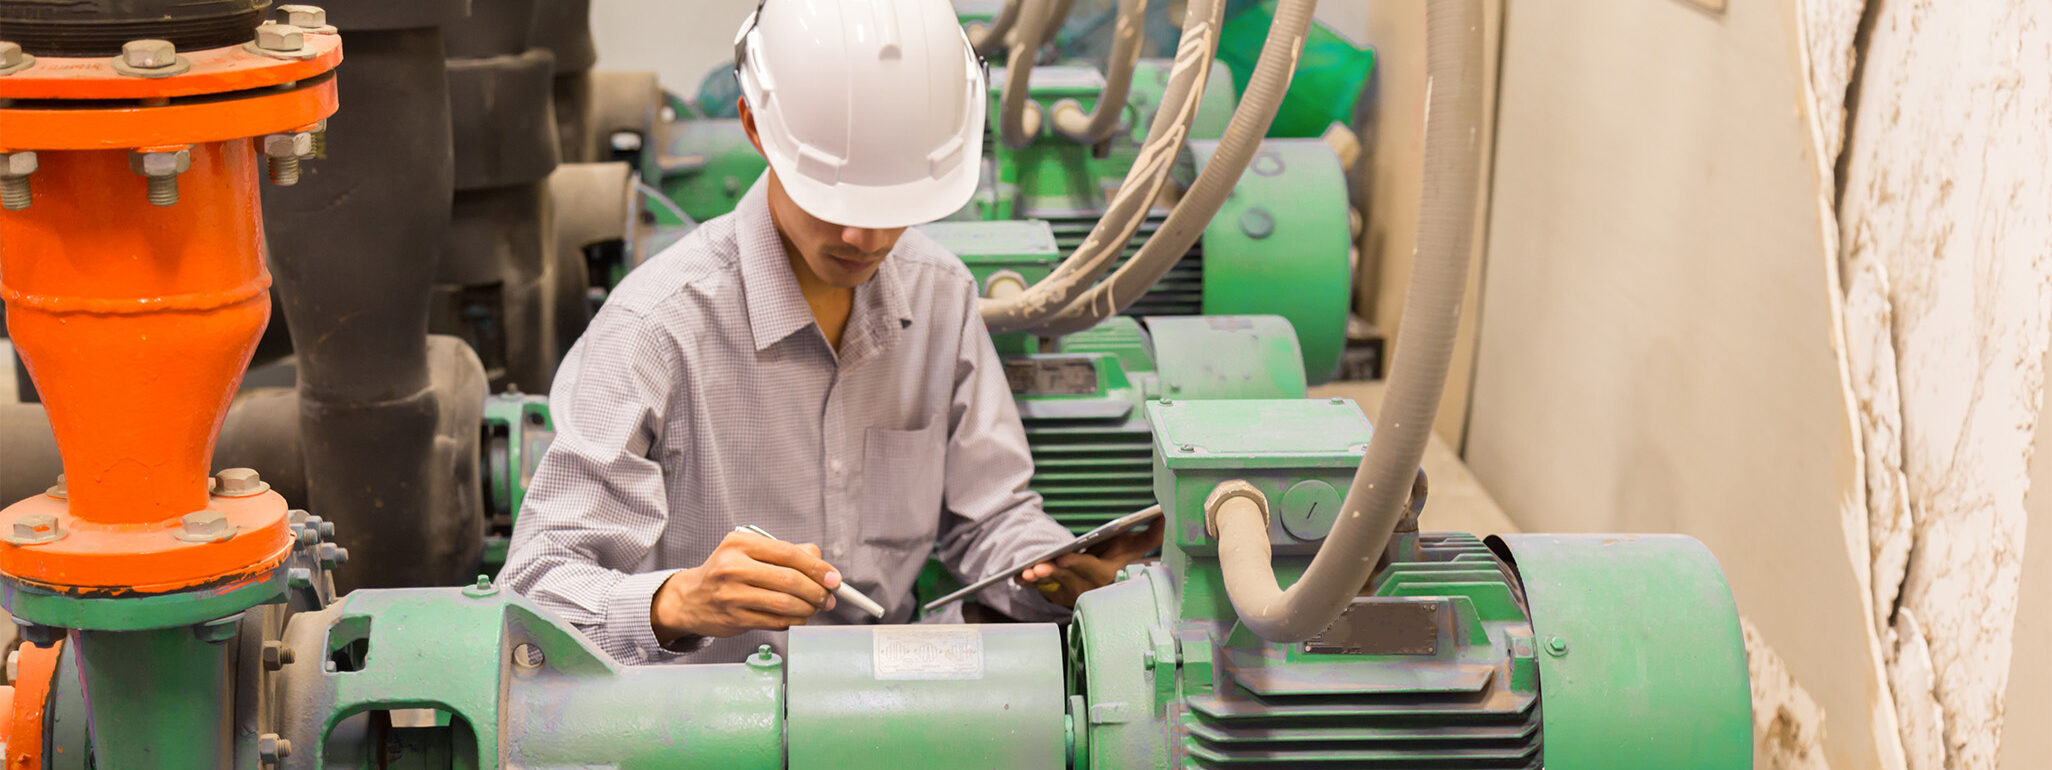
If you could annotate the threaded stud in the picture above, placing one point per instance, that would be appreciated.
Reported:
(285, 171)
(15, 194)
(163, 190)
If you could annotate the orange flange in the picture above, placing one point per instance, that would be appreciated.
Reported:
(22, 721)
(136, 292)
(212, 71)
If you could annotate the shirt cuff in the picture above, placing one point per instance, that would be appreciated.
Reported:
(627, 616)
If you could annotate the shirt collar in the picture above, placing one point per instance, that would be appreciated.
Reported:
(776, 309)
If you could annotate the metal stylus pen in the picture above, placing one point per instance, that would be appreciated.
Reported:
(846, 593)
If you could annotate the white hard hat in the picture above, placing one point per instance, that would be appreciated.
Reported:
(870, 111)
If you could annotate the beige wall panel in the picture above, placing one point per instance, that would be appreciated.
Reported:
(1659, 349)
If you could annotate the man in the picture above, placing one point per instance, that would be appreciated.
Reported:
(805, 364)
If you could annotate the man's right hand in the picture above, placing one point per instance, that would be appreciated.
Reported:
(747, 583)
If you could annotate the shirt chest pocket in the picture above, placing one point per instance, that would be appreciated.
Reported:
(902, 479)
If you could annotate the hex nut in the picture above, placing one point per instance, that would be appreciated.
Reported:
(34, 529)
(276, 655)
(149, 54)
(305, 16)
(238, 482)
(161, 163)
(17, 163)
(10, 54)
(271, 748)
(1227, 490)
(208, 524)
(294, 145)
(272, 36)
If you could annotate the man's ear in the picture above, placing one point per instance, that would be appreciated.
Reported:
(748, 124)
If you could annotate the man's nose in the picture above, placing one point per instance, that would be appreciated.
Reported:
(865, 240)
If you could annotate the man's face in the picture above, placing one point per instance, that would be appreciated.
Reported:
(841, 257)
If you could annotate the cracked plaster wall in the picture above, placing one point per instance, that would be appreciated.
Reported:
(1945, 217)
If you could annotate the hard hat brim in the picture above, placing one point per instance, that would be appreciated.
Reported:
(884, 206)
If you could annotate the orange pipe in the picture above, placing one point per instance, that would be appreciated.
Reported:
(21, 723)
(136, 321)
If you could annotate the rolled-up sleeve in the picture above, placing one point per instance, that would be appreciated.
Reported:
(992, 519)
(597, 504)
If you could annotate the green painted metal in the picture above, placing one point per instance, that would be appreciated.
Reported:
(705, 166)
(137, 612)
(520, 687)
(1643, 665)
(1279, 245)
(181, 718)
(1222, 356)
(1114, 664)
(517, 432)
(983, 696)
(1092, 451)
(1327, 85)
(67, 741)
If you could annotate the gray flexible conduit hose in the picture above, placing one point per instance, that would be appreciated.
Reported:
(1266, 87)
(1069, 120)
(1018, 116)
(993, 36)
(1143, 184)
(1432, 311)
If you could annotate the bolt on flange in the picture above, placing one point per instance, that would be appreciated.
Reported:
(35, 529)
(204, 527)
(150, 59)
(160, 168)
(239, 482)
(281, 41)
(307, 17)
(284, 152)
(15, 168)
(13, 59)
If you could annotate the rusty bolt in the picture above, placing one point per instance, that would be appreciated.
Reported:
(149, 54)
(10, 54)
(276, 656)
(305, 16)
(207, 525)
(238, 482)
(272, 36)
(271, 748)
(333, 555)
(33, 528)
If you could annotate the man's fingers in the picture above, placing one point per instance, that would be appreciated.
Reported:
(764, 621)
(1097, 571)
(793, 555)
(788, 581)
(772, 603)
(1036, 573)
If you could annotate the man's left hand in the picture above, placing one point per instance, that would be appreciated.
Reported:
(1069, 575)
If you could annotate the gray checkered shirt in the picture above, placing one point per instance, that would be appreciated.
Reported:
(704, 396)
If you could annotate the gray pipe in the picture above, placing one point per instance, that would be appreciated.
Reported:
(1137, 193)
(1375, 502)
(1266, 88)
(1070, 121)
